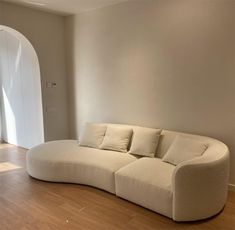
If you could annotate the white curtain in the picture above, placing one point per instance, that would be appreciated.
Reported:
(20, 90)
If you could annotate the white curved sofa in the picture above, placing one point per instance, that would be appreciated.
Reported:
(194, 189)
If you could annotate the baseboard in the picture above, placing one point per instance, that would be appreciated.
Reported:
(231, 187)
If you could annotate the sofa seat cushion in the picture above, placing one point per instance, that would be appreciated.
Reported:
(65, 161)
(147, 182)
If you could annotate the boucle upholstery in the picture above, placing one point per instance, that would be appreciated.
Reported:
(147, 182)
(192, 190)
(65, 161)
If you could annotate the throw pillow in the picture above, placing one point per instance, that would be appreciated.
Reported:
(183, 149)
(145, 141)
(93, 135)
(117, 138)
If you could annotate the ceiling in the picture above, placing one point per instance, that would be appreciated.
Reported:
(65, 7)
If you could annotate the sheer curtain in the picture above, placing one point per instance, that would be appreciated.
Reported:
(20, 91)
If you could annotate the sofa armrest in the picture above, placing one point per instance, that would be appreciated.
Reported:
(200, 185)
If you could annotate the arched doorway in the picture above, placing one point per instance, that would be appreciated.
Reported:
(20, 90)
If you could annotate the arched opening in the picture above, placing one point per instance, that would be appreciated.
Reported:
(21, 112)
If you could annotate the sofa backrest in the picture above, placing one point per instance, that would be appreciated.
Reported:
(167, 137)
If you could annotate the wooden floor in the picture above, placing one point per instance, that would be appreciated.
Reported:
(26, 203)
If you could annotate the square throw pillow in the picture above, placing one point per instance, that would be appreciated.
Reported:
(183, 149)
(93, 135)
(117, 138)
(145, 141)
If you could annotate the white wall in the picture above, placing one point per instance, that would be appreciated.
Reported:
(46, 33)
(161, 63)
(20, 91)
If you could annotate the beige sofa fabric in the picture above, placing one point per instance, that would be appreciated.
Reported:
(92, 135)
(193, 190)
(145, 141)
(117, 138)
(200, 185)
(147, 182)
(183, 149)
(65, 161)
